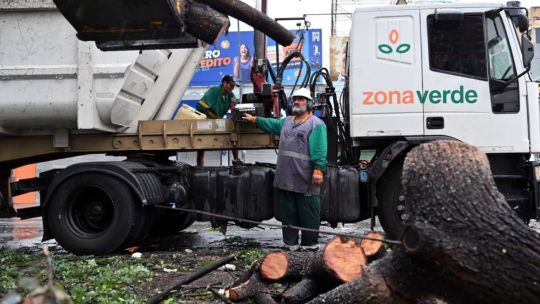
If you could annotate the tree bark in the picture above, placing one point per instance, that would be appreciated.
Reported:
(204, 22)
(304, 291)
(253, 17)
(254, 288)
(463, 243)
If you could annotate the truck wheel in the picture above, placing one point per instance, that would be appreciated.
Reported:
(390, 209)
(92, 213)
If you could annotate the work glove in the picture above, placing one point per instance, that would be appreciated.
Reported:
(317, 177)
(249, 118)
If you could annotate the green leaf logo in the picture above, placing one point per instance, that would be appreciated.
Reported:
(385, 48)
(403, 48)
(393, 38)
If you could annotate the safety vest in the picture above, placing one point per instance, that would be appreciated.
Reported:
(294, 168)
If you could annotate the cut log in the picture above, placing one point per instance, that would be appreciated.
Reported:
(373, 250)
(341, 260)
(288, 266)
(190, 278)
(253, 17)
(462, 242)
(344, 259)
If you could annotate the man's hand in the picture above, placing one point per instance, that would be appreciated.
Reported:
(249, 118)
(317, 177)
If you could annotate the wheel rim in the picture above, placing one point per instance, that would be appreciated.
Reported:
(90, 211)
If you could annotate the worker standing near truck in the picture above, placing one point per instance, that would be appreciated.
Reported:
(300, 168)
(215, 103)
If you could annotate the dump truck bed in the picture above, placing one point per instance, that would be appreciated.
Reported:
(51, 81)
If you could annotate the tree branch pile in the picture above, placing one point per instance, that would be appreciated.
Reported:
(340, 261)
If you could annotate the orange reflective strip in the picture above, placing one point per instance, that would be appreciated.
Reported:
(204, 104)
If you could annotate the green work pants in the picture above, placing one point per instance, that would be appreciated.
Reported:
(303, 210)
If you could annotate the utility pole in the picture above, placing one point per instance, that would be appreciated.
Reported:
(333, 16)
(259, 39)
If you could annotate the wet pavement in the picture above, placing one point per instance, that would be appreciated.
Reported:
(27, 234)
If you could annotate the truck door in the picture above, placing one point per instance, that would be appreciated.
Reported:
(385, 69)
(461, 56)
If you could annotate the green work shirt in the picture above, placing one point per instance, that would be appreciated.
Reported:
(317, 141)
(214, 104)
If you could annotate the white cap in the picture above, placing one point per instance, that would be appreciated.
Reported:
(303, 92)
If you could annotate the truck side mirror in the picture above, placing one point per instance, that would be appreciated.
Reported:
(521, 22)
(527, 50)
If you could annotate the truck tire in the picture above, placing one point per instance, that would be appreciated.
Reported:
(390, 209)
(93, 213)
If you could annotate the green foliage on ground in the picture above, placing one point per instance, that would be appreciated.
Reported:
(87, 280)
(15, 264)
(250, 256)
(104, 280)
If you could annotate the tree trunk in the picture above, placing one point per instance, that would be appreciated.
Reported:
(463, 243)
(204, 22)
(253, 17)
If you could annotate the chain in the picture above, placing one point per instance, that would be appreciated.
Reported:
(231, 218)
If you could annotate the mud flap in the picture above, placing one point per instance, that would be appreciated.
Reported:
(6, 203)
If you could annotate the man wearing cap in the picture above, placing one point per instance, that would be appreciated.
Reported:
(215, 103)
(300, 168)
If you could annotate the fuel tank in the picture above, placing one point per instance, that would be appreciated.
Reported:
(247, 192)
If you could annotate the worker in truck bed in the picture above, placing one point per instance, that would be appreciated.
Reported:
(300, 167)
(215, 103)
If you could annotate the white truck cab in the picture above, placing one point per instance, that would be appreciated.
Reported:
(445, 71)
(430, 71)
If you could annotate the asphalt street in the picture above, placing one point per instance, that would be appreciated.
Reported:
(28, 234)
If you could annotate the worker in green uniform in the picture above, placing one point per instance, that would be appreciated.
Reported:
(215, 103)
(300, 168)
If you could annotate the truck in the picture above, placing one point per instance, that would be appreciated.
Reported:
(415, 74)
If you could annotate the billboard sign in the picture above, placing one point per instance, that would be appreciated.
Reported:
(233, 55)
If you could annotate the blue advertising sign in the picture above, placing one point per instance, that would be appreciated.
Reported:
(233, 55)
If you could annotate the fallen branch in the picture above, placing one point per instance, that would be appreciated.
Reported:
(302, 292)
(254, 288)
(190, 278)
(220, 296)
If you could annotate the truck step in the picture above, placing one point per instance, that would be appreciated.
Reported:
(508, 176)
(515, 198)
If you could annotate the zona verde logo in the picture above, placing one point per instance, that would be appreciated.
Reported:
(393, 38)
